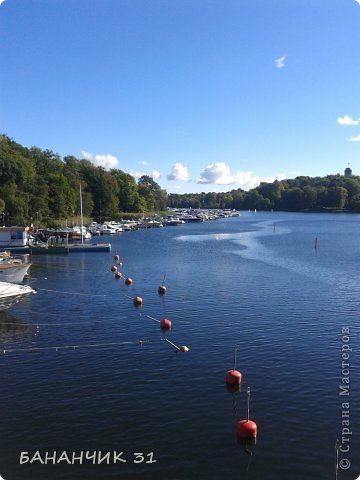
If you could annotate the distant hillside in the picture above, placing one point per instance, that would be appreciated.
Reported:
(302, 194)
(38, 186)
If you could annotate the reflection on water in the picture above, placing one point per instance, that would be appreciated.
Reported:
(12, 329)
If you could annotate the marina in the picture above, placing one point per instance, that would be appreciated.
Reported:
(83, 354)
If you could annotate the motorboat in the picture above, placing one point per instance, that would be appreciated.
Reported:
(12, 293)
(12, 268)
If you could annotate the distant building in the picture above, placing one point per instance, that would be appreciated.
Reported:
(348, 172)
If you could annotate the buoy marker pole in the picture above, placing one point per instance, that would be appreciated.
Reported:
(233, 377)
(248, 404)
(247, 429)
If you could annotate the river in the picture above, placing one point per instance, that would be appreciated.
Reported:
(120, 402)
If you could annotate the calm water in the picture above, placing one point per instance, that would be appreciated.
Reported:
(255, 282)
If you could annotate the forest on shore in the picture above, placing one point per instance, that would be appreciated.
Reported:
(38, 186)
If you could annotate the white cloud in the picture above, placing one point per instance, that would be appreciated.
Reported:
(357, 1)
(346, 120)
(178, 172)
(154, 174)
(86, 155)
(143, 162)
(219, 174)
(280, 62)
(137, 175)
(106, 161)
(2, 1)
(354, 139)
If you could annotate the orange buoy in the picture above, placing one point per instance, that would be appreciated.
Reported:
(233, 377)
(162, 289)
(138, 301)
(128, 281)
(165, 324)
(118, 274)
(116, 258)
(184, 349)
(114, 268)
(247, 428)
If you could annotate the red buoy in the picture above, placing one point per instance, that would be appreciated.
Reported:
(184, 349)
(113, 268)
(138, 301)
(233, 377)
(116, 258)
(165, 324)
(246, 429)
(118, 274)
(162, 289)
(128, 281)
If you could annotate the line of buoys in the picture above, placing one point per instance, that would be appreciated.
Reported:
(233, 377)
(72, 347)
(247, 429)
(165, 324)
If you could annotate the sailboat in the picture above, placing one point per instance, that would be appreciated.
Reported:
(87, 247)
(51, 247)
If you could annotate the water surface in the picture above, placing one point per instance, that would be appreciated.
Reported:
(256, 282)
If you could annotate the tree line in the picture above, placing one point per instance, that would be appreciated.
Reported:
(302, 194)
(38, 186)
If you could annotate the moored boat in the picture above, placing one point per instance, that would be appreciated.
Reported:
(49, 249)
(12, 293)
(13, 272)
(89, 247)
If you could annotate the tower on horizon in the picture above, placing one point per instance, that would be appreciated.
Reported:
(348, 172)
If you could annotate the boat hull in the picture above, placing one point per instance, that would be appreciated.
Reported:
(49, 250)
(12, 272)
(11, 293)
(89, 247)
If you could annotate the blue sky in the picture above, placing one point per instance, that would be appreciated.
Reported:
(204, 95)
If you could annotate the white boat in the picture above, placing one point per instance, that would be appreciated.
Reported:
(12, 272)
(107, 229)
(11, 293)
(12, 269)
